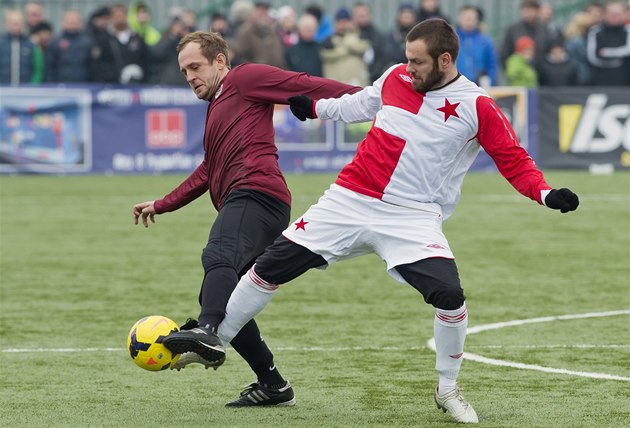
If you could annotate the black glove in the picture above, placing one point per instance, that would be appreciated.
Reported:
(563, 200)
(302, 107)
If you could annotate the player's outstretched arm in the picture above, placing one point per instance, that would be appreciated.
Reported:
(144, 210)
(562, 199)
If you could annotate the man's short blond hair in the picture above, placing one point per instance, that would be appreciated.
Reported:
(211, 44)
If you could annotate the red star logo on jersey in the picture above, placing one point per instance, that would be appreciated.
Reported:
(301, 224)
(448, 109)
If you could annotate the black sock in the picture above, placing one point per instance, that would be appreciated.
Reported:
(254, 350)
(271, 379)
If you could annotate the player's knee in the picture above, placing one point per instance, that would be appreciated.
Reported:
(448, 298)
(212, 258)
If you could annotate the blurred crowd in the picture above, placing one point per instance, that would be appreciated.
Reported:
(120, 44)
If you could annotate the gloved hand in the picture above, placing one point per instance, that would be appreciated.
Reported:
(302, 107)
(563, 200)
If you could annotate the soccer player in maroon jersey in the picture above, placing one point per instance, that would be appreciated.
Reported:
(240, 170)
(428, 125)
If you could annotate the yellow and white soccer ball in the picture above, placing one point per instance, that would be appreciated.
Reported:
(145, 343)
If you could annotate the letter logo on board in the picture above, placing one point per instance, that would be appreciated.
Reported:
(594, 127)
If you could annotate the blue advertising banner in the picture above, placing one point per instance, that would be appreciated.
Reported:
(126, 129)
(146, 129)
(100, 129)
(45, 131)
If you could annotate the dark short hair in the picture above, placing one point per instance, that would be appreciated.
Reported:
(42, 26)
(530, 4)
(439, 36)
(314, 10)
(211, 44)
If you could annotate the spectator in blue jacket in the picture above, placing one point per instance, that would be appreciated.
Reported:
(68, 54)
(477, 57)
(21, 61)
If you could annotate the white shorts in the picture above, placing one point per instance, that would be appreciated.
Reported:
(345, 224)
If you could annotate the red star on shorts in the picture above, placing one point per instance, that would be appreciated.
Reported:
(448, 109)
(300, 224)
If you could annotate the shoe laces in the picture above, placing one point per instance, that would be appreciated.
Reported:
(189, 324)
(461, 399)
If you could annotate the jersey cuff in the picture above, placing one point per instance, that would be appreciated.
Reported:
(314, 109)
(543, 195)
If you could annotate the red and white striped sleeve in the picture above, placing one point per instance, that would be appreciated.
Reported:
(498, 139)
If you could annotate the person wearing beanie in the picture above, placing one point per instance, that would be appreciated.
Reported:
(519, 70)
(529, 25)
(342, 53)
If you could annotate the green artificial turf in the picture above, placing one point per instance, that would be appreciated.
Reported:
(75, 274)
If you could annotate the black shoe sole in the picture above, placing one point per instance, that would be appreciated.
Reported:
(288, 403)
(179, 345)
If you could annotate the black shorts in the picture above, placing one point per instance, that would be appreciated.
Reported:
(247, 223)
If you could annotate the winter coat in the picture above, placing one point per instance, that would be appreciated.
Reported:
(260, 44)
(519, 72)
(477, 56)
(557, 73)
(30, 65)
(608, 53)
(68, 58)
(305, 57)
(342, 57)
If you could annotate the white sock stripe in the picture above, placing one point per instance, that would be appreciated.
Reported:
(261, 282)
(452, 312)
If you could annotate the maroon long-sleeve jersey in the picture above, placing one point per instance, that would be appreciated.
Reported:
(240, 152)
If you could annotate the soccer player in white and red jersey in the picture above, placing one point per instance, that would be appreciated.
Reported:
(429, 123)
(240, 171)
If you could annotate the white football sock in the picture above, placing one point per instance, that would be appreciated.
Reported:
(249, 297)
(449, 330)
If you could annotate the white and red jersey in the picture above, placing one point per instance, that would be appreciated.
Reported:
(421, 145)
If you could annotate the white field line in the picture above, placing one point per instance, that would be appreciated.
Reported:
(337, 349)
(515, 323)
(431, 345)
